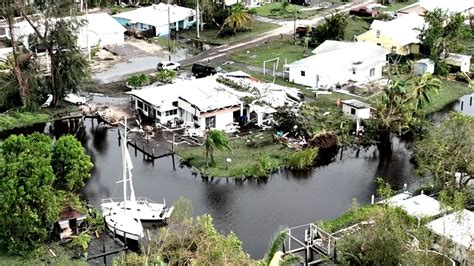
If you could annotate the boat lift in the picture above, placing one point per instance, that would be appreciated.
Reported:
(315, 244)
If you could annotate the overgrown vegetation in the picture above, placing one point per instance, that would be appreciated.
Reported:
(39, 179)
(166, 76)
(251, 156)
(301, 160)
(138, 80)
(13, 119)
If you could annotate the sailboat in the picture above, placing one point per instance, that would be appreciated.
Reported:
(140, 208)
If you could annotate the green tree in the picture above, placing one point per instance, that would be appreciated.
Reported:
(166, 76)
(442, 34)
(215, 140)
(29, 205)
(56, 29)
(448, 151)
(138, 80)
(423, 87)
(238, 19)
(71, 165)
(333, 28)
(31, 198)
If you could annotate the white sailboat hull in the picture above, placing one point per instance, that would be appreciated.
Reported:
(142, 209)
(124, 226)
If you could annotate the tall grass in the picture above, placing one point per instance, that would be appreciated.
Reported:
(301, 160)
(12, 120)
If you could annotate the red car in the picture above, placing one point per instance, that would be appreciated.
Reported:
(363, 12)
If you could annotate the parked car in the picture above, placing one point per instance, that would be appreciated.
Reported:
(300, 2)
(168, 65)
(363, 12)
(200, 70)
(303, 31)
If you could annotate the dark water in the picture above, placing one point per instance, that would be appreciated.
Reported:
(253, 210)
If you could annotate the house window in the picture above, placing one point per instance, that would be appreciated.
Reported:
(158, 113)
(379, 44)
(175, 103)
(139, 104)
(354, 71)
(191, 18)
(353, 111)
(211, 122)
(303, 73)
(372, 72)
(171, 112)
(378, 33)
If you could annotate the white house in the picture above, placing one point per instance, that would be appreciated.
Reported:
(420, 206)
(210, 103)
(205, 102)
(336, 63)
(99, 29)
(465, 7)
(154, 18)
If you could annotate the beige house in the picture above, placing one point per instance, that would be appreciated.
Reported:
(399, 36)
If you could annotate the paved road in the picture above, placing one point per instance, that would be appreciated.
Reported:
(149, 64)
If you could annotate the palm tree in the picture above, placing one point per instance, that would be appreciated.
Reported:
(215, 140)
(422, 88)
(275, 247)
(238, 19)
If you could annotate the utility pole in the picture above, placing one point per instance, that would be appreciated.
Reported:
(294, 26)
(169, 32)
(87, 33)
(197, 19)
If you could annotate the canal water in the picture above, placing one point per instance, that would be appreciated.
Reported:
(253, 210)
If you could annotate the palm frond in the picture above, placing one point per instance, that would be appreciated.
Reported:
(276, 245)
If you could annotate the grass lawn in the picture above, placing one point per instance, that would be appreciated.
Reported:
(209, 34)
(282, 48)
(398, 5)
(12, 120)
(355, 26)
(246, 153)
(273, 10)
(469, 45)
(450, 92)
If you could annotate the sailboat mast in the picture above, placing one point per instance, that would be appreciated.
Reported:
(124, 164)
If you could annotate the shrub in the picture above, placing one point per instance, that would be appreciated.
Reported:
(166, 76)
(301, 160)
(138, 80)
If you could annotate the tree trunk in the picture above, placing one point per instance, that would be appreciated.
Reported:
(23, 85)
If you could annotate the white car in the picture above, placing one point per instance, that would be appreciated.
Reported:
(168, 65)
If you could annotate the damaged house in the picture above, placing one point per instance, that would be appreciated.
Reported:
(215, 102)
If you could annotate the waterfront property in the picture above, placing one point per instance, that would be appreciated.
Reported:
(336, 63)
(157, 20)
(400, 36)
(99, 29)
(216, 101)
(357, 110)
(458, 61)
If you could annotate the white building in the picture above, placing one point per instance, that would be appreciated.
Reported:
(356, 109)
(99, 29)
(465, 7)
(154, 18)
(463, 62)
(336, 63)
(458, 229)
(420, 206)
(208, 103)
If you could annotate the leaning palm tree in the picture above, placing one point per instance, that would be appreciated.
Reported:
(215, 140)
(238, 19)
(275, 256)
(422, 88)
